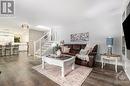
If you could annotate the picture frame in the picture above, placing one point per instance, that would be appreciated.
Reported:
(79, 37)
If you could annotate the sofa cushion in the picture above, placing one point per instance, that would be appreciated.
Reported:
(58, 52)
(66, 50)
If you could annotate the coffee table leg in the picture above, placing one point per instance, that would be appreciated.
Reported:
(62, 71)
(102, 63)
(116, 66)
(43, 65)
(73, 66)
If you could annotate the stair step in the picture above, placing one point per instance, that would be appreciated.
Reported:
(46, 46)
(38, 56)
(43, 50)
(50, 41)
(37, 52)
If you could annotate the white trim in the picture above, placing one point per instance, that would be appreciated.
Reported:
(127, 68)
(127, 74)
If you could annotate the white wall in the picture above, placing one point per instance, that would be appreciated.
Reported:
(6, 37)
(127, 61)
(24, 36)
(99, 28)
(19, 32)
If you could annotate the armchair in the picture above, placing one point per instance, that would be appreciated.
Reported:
(87, 59)
(83, 54)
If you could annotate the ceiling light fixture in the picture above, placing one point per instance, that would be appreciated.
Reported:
(25, 26)
(43, 27)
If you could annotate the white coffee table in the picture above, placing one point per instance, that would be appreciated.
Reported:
(59, 61)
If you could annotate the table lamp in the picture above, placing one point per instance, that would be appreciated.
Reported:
(109, 43)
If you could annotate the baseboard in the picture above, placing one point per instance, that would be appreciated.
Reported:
(127, 74)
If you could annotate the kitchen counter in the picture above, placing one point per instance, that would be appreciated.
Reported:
(22, 46)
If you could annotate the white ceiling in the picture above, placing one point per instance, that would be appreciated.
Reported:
(59, 12)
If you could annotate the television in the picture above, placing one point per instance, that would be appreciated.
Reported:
(126, 29)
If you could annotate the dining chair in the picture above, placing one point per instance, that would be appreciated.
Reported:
(15, 49)
(1, 50)
(7, 50)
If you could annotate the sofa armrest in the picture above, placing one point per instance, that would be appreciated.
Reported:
(92, 56)
(92, 53)
(91, 61)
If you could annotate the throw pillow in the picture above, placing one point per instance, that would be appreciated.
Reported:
(62, 48)
(66, 50)
(58, 52)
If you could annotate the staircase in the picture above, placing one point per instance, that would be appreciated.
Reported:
(43, 45)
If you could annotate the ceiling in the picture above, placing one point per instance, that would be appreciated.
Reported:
(58, 12)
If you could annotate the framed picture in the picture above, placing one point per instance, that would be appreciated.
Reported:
(79, 37)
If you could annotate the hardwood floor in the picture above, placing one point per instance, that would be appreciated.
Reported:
(106, 77)
(17, 71)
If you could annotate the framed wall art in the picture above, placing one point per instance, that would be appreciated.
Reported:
(79, 37)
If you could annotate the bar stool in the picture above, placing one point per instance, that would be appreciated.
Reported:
(1, 50)
(15, 49)
(8, 50)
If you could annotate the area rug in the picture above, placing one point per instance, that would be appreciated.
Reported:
(72, 78)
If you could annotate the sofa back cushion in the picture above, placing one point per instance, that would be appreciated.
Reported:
(75, 48)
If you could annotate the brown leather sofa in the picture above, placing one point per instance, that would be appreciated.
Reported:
(75, 49)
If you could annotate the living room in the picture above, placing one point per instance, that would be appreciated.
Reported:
(68, 29)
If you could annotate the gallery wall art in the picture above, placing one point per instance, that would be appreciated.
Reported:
(79, 37)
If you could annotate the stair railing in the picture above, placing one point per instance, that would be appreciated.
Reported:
(40, 42)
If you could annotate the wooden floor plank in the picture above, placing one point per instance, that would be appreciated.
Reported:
(17, 71)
